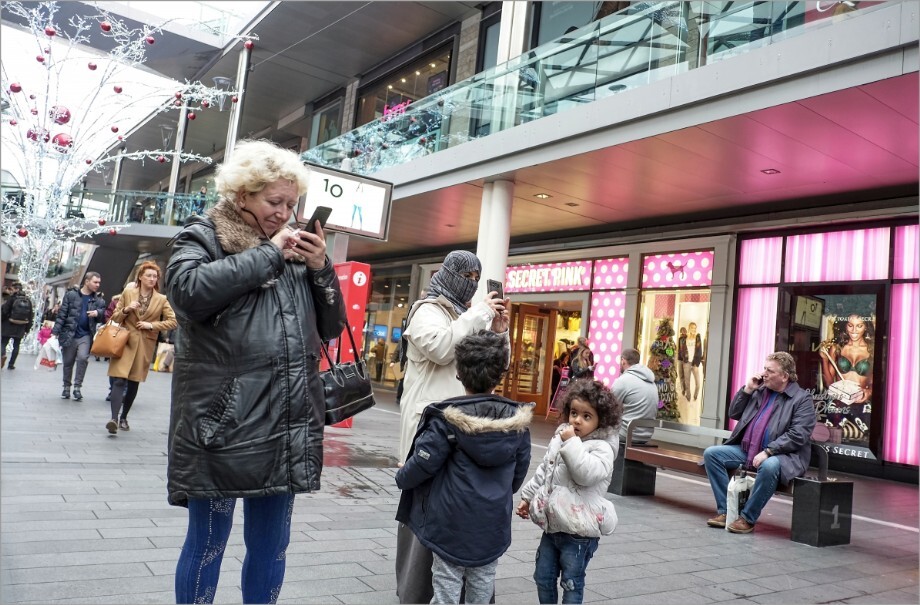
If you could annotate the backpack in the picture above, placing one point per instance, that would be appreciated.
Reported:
(20, 311)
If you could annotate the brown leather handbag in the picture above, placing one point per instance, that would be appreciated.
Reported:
(110, 341)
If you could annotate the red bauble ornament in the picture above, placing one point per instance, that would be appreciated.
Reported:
(32, 97)
(205, 104)
(114, 128)
(40, 58)
(249, 44)
(191, 115)
(120, 138)
(113, 231)
(92, 66)
(117, 89)
(15, 87)
(151, 40)
(178, 94)
(60, 114)
(33, 111)
(50, 31)
(422, 141)
(101, 222)
(161, 159)
(177, 103)
(62, 142)
(88, 161)
(22, 232)
(47, 50)
(105, 26)
(235, 99)
(13, 122)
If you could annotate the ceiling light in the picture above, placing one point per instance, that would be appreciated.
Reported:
(542, 196)
(770, 171)
(418, 73)
(434, 65)
(390, 87)
(403, 80)
(571, 204)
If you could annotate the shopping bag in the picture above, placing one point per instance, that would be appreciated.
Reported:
(739, 490)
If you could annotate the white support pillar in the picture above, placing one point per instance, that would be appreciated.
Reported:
(485, 210)
(174, 170)
(494, 253)
(236, 109)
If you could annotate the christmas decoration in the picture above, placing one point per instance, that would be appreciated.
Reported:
(37, 219)
(191, 115)
(663, 351)
(248, 44)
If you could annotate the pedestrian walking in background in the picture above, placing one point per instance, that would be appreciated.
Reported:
(81, 311)
(434, 326)
(567, 495)
(144, 312)
(470, 455)
(254, 300)
(16, 317)
(582, 360)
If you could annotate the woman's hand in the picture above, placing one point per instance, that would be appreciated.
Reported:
(133, 306)
(502, 318)
(312, 247)
(285, 239)
(523, 510)
(144, 325)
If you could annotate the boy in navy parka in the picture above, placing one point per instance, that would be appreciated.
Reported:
(469, 456)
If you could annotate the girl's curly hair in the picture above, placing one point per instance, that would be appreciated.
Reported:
(597, 395)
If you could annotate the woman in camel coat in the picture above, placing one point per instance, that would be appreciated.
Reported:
(144, 312)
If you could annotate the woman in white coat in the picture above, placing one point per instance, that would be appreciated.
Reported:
(433, 328)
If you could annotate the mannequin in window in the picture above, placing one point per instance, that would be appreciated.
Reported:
(690, 355)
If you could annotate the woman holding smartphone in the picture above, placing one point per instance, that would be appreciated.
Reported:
(254, 298)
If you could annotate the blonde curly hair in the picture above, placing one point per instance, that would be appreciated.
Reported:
(255, 164)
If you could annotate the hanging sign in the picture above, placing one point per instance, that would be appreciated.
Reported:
(360, 205)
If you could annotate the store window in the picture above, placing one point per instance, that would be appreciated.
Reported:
(392, 95)
(673, 330)
(386, 315)
(327, 123)
(489, 30)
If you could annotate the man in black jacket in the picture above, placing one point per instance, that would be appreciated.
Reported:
(81, 310)
(18, 315)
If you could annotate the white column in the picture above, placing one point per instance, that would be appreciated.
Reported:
(494, 251)
(512, 35)
(485, 210)
(236, 109)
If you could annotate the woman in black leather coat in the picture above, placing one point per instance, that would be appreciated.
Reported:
(254, 298)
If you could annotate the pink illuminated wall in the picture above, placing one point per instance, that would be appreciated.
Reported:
(907, 252)
(549, 277)
(761, 261)
(755, 333)
(678, 270)
(838, 256)
(610, 273)
(903, 414)
(605, 333)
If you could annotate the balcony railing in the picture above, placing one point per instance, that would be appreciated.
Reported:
(644, 43)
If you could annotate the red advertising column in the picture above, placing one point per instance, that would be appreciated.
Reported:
(354, 280)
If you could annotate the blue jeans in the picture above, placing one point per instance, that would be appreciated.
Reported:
(266, 532)
(566, 554)
(720, 459)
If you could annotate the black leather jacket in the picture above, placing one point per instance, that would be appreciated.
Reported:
(247, 400)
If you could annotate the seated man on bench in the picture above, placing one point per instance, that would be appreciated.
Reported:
(776, 418)
(635, 389)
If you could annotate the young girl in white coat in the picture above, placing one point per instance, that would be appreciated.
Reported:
(567, 495)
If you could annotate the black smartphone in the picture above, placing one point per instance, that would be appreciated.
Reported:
(495, 286)
(321, 214)
(759, 380)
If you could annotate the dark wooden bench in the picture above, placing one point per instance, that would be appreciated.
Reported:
(821, 507)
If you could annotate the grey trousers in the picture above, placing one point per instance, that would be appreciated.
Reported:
(413, 568)
(447, 581)
(693, 371)
(77, 349)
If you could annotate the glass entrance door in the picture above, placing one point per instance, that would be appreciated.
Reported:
(529, 377)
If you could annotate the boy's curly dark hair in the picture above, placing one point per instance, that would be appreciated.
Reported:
(482, 359)
(597, 395)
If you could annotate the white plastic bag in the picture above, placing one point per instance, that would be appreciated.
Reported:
(49, 355)
(739, 490)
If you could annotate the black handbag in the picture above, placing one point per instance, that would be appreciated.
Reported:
(347, 386)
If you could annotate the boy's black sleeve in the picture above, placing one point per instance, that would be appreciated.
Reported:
(523, 461)
(429, 453)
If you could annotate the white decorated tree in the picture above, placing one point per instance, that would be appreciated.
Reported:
(65, 113)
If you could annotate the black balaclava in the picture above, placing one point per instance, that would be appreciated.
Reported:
(450, 283)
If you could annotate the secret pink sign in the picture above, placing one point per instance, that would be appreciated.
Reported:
(678, 270)
(549, 277)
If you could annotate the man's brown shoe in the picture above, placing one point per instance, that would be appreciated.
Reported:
(718, 521)
(740, 526)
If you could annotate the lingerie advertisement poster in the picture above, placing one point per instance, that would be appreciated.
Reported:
(847, 352)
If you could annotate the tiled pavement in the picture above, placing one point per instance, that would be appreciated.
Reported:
(84, 519)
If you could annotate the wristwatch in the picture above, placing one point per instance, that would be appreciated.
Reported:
(768, 451)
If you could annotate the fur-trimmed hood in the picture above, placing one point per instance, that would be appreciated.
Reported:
(471, 424)
(233, 233)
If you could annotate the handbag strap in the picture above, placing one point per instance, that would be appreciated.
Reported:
(338, 353)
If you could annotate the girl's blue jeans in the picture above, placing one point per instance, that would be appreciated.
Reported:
(566, 555)
(266, 532)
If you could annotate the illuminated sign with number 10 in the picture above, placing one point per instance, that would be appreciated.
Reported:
(360, 205)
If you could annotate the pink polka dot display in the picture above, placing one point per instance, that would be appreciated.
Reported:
(605, 336)
(678, 270)
(610, 273)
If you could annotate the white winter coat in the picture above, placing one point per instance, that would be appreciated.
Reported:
(568, 491)
(433, 330)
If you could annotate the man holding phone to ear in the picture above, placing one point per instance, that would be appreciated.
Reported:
(773, 436)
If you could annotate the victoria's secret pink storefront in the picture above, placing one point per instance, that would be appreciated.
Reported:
(844, 303)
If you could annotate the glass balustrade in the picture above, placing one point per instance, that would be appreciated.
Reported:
(642, 44)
